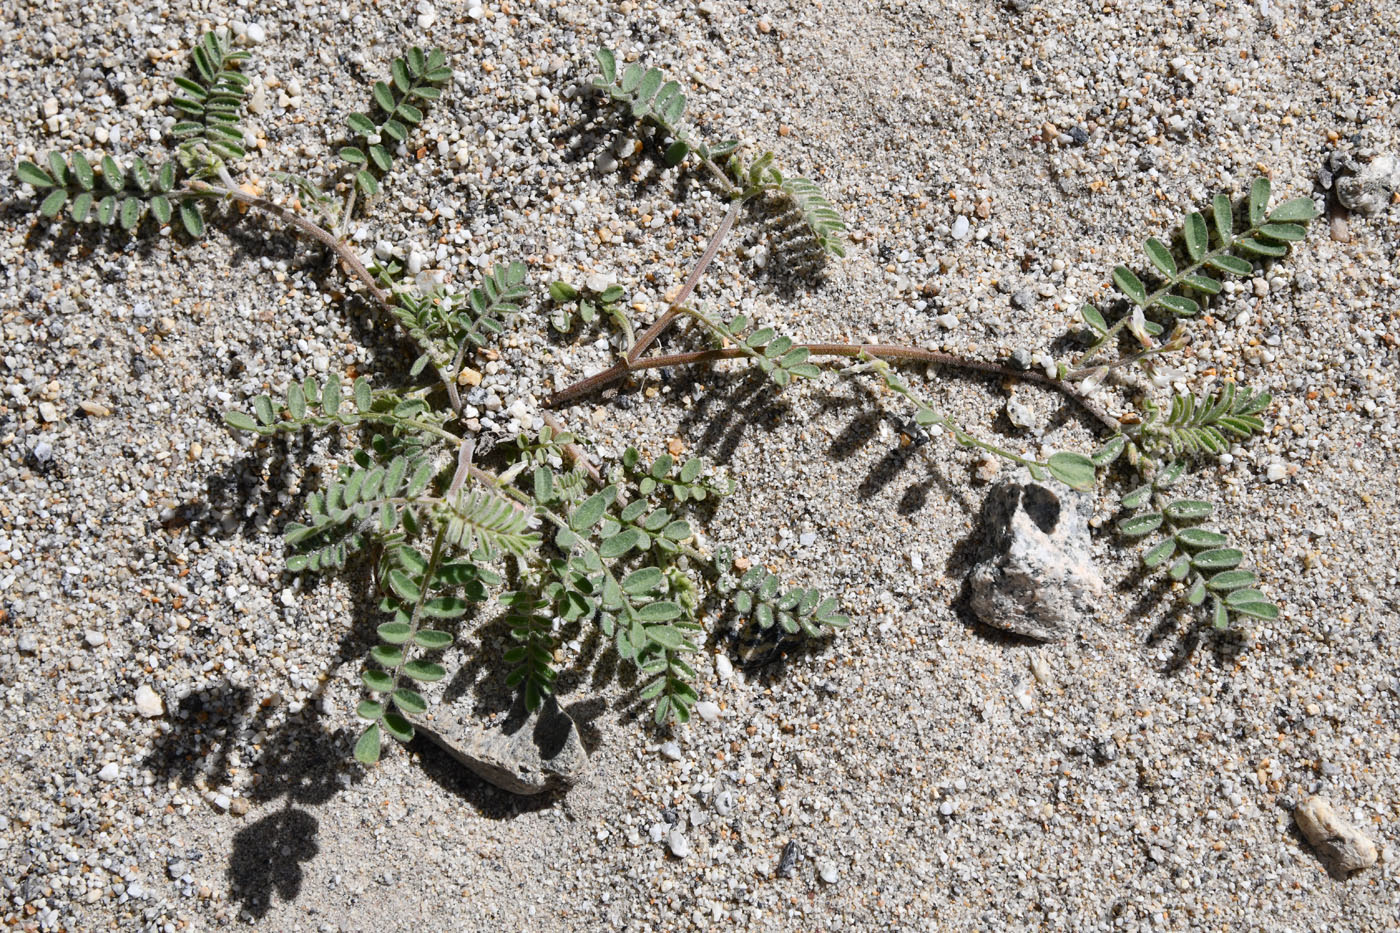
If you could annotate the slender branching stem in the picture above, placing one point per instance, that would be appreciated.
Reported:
(620, 371)
(677, 305)
(337, 245)
(305, 225)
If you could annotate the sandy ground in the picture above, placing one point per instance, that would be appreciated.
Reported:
(1147, 782)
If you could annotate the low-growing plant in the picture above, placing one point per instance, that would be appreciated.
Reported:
(556, 539)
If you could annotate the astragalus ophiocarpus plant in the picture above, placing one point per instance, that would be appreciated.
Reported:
(556, 538)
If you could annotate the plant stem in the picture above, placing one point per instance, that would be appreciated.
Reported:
(676, 307)
(620, 371)
(342, 250)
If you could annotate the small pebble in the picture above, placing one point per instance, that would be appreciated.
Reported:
(828, 873)
(1276, 472)
(94, 639)
(960, 227)
(678, 844)
(148, 702)
(707, 711)
(256, 34)
(109, 773)
(671, 750)
(724, 668)
(28, 644)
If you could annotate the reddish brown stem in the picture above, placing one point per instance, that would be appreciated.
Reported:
(675, 309)
(620, 371)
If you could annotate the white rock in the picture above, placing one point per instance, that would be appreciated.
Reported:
(599, 281)
(678, 844)
(148, 702)
(1340, 843)
(256, 34)
(95, 639)
(960, 227)
(658, 831)
(425, 20)
(109, 772)
(671, 750)
(723, 667)
(947, 321)
(221, 801)
(416, 261)
(1277, 471)
(708, 711)
(475, 12)
(828, 873)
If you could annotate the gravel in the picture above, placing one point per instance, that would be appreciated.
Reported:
(1151, 785)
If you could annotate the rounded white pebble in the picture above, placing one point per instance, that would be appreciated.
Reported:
(723, 667)
(678, 844)
(671, 750)
(960, 227)
(95, 639)
(1277, 471)
(708, 711)
(947, 321)
(148, 702)
(109, 772)
(828, 874)
(256, 34)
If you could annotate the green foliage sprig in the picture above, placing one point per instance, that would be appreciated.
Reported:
(415, 81)
(1187, 284)
(114, 194)
(654, 100)
(213, 99)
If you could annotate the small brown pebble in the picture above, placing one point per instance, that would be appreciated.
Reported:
(239, 806)
(674, 447)
(469, 377)
(742, 564)
(95, 409)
